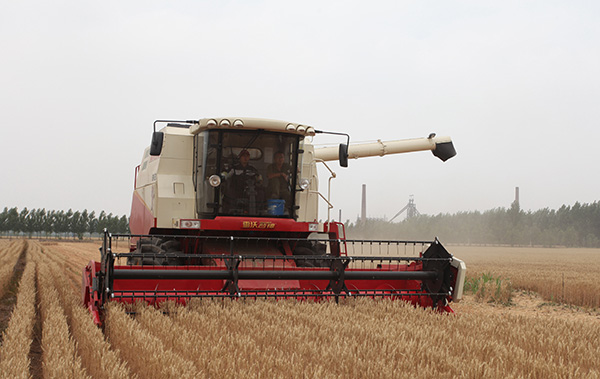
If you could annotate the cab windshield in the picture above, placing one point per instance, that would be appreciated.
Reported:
(257, 173)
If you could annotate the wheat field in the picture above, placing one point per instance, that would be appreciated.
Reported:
(49, 334)
(559, 275)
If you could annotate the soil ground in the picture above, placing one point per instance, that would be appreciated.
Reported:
(527, 304)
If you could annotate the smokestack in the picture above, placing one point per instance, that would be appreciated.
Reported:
(517, 196)
(363, 208)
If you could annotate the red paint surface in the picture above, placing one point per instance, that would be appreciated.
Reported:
(241, 224)
(151, 290)
(141, 219)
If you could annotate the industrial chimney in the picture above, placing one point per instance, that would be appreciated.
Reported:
(363, 208)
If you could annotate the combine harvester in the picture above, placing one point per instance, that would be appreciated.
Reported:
(227, 207)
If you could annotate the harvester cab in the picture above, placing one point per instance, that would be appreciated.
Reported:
(228, 207)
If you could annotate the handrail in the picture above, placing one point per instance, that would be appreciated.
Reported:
(333, 175)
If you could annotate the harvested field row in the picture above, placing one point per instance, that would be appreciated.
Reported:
(559, 275)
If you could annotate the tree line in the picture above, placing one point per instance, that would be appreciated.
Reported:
(572, 226)
(39, 222)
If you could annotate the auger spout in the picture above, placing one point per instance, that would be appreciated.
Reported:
(441, 147)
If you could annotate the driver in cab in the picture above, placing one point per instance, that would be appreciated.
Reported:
(244, 182)
(244, 169)
(278, 174)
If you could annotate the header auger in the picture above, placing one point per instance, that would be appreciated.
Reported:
(228, 208)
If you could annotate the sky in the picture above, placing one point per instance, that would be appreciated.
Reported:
(515, 84)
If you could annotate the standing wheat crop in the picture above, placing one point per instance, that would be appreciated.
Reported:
(146, 354)
(8, 260)
(60, 359)
(16, 341)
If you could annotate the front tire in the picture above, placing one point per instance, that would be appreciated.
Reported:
(156, 251)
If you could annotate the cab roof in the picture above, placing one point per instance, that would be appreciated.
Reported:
(248, 123)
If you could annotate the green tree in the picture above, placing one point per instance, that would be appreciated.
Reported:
(102, 222)
(12, 220)
(22, 223)
(92, 223)
(4, 220)
(77, 224)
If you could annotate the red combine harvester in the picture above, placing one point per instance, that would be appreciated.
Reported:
(228, 207)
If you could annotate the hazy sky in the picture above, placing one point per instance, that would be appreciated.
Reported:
(516, 84)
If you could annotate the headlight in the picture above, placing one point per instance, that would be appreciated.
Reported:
(304, 183)
(214, 180)
(190, 224)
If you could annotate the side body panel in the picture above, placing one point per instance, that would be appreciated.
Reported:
(164, 190)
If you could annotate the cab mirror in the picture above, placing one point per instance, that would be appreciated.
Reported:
(156, 144)
(343, 154)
